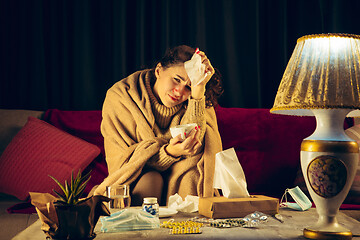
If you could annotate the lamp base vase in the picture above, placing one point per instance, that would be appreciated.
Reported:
(329, 170)
(329, 159)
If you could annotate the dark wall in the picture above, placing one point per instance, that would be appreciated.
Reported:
(66, 54)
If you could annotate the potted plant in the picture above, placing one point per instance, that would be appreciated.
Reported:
(69, 216)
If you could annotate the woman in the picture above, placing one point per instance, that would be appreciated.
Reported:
(138, 113)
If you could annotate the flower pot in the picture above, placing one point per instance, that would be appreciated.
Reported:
(63, 221)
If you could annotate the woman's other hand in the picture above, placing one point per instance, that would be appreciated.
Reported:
(198, 91)
(189, 146)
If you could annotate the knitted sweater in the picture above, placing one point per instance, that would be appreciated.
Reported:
(136, 126)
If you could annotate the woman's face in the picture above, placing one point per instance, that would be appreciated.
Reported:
(172, 85)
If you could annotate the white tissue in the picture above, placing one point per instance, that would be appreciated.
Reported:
(195, 69)
(190, 204)
(229, 175)
(183, 130)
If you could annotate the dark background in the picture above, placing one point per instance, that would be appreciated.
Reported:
(66, 54)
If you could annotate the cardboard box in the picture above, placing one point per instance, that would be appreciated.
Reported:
(222, 207)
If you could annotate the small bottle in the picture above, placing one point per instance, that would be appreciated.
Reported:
(151, 206)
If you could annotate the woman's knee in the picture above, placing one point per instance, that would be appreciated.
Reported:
(153, 178)
(150, 184)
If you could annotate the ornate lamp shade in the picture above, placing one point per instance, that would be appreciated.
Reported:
(322, 79)
(323, 72)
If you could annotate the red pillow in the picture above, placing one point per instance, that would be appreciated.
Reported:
(37, 151)
(84, 125)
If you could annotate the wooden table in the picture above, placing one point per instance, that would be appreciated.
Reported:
(291, 228)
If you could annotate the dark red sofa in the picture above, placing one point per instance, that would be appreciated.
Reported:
(267, 145)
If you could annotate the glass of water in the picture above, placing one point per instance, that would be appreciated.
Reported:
(120, 196)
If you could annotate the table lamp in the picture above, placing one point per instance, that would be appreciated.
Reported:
(322, 79)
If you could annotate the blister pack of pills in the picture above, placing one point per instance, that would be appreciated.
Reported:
(184, 227)
(251, 220)
(228, 223)
(254, 219)
(220, 223)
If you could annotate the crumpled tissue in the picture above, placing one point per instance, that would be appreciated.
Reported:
(190, 204)
(129, 219)
(195, 69)
(229, 175)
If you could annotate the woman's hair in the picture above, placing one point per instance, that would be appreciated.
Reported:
(183, 53)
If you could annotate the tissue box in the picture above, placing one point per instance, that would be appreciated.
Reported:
(222, 207)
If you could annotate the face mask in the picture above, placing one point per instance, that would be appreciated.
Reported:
(129, 220)
(302, 202)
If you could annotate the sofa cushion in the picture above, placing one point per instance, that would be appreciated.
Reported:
(11, 121)
(267, 146)
(37, 151)
(84, 125)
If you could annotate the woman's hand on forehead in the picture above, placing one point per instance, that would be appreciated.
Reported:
(198, 91)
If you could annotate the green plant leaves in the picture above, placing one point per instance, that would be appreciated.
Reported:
(72, 191)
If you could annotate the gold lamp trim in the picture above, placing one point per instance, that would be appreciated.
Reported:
(326, 35)
(274, 109)
(329, 146)
(313, 234)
